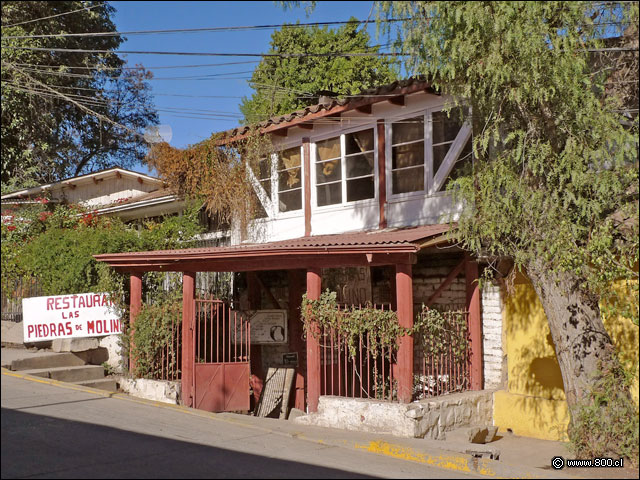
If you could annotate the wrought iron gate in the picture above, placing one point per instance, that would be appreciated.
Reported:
(222, 339)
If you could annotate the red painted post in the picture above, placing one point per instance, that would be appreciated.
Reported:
(475, 322)
(314, 287)
(188, 340)
(296, 344)
(135, 303)
(257, 374)
(404, 299)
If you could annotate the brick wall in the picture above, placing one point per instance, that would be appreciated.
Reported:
(492, 335)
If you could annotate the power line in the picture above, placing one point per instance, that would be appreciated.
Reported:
(200, 30)
(101, 67)
(53, 16)
(211, 54)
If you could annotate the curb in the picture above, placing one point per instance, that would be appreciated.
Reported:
(447, 460)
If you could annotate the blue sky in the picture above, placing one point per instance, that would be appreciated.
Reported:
(212, 102)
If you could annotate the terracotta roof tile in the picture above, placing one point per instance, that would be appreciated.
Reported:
(382, 91)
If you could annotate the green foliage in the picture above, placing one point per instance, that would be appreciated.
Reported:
(439, 333)
(606, 423)
(156, 324)
(351, 322)
(47, 131)
(554, 183)
(283, 85)
(58, 245)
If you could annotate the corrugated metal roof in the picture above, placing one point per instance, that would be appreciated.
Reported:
(369, 96)
(405, 237)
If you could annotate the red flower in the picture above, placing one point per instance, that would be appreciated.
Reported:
(11, 228)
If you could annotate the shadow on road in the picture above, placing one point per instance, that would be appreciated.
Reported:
(43, 446)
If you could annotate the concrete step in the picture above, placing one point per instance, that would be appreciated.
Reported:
(69, 374)
(108, 384)
(52, 360)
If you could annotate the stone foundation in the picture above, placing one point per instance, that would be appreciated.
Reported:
(158, 390)
(430, 418)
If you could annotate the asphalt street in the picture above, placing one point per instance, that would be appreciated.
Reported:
(51, 431)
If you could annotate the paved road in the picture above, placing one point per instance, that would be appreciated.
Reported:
(53, 432)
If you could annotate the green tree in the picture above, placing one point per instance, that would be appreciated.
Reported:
(67, 113)
(283, 85)
(553, 91)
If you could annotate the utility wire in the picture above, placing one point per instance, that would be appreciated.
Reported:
(53, 16)
(211, 54)
(101, 67)
(200, 30)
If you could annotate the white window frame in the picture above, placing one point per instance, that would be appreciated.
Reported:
(275, 193)
(433, 181)
(343, 169)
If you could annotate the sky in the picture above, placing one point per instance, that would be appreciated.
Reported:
(208, 102)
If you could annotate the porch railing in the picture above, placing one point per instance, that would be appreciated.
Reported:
(367, 374)
(443, 358)
(170, 358)
(13, 291)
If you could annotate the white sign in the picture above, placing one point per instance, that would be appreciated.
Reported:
(69, 316)
(268, 327)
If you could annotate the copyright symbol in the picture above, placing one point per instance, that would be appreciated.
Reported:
(557, 463)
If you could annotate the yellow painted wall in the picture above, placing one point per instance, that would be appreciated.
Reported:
(534, 403)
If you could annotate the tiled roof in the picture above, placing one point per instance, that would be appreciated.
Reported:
(366, 97)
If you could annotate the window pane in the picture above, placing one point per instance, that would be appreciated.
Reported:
(266, 184)
(328, 149)
(359, 165)
(328, 171)
(439, 153)
(289, 179)
(407, 130)
(446, 128)
(358, 142)
(360, 189)
(409, 180)
(264, 166)
(289, 158)
(329, 194)
(462, 167)
(407, 155)
(290, 200)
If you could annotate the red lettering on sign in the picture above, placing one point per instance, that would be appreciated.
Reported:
(105, 301)
(57, 300)
(65, 302)
(69, 329)
(81, 302)
(52, 328)
(96, 300)
(30, 330)
(49, 303)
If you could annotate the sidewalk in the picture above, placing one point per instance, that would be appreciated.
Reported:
(520, 457)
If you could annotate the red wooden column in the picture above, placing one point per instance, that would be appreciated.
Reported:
(188, 339)
(257, 375)
(135, 303)
(475, 322)
(404, 299)
(314, 287)
(296, 343)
